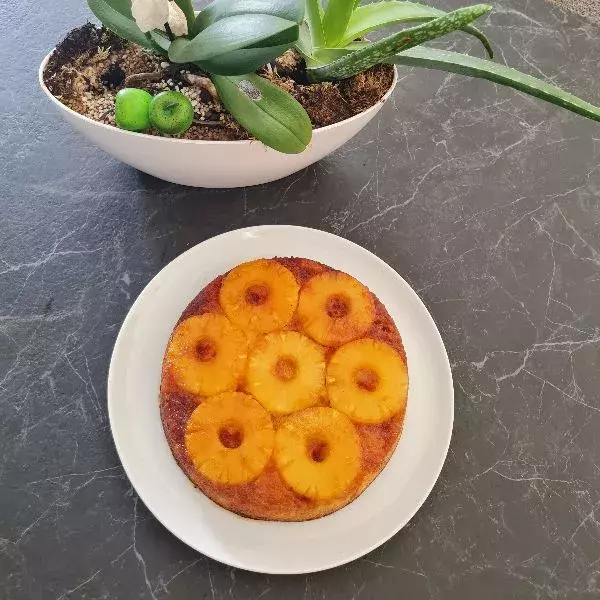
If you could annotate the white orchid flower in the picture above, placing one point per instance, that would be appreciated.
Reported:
(177, 21)
(150, 14)
(153, 14)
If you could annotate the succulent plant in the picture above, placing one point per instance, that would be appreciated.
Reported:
(332, 42)
(231, 39)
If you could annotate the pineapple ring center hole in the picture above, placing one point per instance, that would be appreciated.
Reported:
(286, 368)
(231, 435)
(337, 306)
(366, 379)
(318, 450)
(206, 349)
(257, 294)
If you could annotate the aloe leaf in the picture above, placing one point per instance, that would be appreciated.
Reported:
(381, 14)
(265, 111)
(304, 43)
(118, 23)
(314, 16)
(485, 42)
(234, 33)
(324, 56)
(454, 62)
(242, 61)
(335, 20)
(292, 10)
(378, 51)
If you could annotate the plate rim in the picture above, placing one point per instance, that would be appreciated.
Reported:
(390, 271)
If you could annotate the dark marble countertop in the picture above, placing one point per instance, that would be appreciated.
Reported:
(486, 201)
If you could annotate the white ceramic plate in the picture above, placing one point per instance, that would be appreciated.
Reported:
(272, 547)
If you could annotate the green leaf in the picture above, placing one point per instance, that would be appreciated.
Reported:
(378, 51)
(265, 111)
(304, 43)
(234, 33)
(179, 46)
(335, 20)
(118, 23)
(314, 17)
(160, 39)
(122, 6)
(243, 61)
(382, 14)
(324, 56)
(291, 10)
(454, 62)
(481, 37)
(288, 38)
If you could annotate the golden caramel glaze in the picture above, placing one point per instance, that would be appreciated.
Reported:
(207, 355)
(335, 308)
(259, 296)
(229, 438)
(268, 497)
(318, 452)
(367, 380)
(286, 372)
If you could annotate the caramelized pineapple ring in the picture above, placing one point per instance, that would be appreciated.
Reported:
(335, 308)
(286, 372)
(368, 381)
(229, 438)
(207, 355)
(259, 296)
(317, 452)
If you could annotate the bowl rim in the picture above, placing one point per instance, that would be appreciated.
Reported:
(92, 122)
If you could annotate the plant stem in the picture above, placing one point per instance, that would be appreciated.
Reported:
(315, 24)
(169, 32)
(138, 78)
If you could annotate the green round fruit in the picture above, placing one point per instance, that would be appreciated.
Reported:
(132, 109)
(171, 112)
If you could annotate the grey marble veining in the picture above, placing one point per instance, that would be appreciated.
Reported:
(586, 8)
(485, 200)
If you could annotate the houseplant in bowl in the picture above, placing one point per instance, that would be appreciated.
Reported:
(269, 86)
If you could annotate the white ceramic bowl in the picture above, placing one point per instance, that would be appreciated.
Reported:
(211, 164)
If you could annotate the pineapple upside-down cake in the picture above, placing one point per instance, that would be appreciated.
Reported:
(284, 388)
